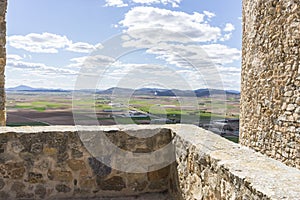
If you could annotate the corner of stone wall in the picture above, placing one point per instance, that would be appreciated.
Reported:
(211, 167)
(3, 7)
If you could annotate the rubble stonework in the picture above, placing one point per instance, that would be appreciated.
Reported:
(211, 167)
(52, 162)
(3, 6)
(270, 94)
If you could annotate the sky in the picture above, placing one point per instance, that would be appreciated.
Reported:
(69, 44)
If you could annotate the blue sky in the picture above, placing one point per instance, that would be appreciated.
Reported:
(51, 42)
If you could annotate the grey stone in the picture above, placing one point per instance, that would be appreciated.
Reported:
(2, 183)
(40, 191)
(99, 168)
(62, 188)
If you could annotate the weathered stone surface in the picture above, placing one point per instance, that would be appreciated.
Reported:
(270, 78)
(99, 168)
(2, 184)
(158, 184)
(76, 164)
(87, 183)
(159, 174)
(17, 187)
(40, 191)
(4, 195)
(65, 176)
(115, 183)
(62, 188)
(208, 167)
(35, 177)
(211, 167)
(76, 153)
(50, 151)
(13, 170)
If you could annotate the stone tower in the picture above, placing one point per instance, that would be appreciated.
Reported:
(270, 94)
(3, 5)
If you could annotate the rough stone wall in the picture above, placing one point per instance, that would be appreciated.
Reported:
(270, 94)
(3, 5)
(51, 162)
(211, 167)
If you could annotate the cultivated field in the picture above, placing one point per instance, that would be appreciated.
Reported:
(61, 108)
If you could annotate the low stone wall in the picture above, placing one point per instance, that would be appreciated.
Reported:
(211, 167)
(59, 162)
(52, 162)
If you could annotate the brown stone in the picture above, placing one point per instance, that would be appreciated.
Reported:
(64, 176)
(115, 183)
(87, 183)
(50, 151)
(35, 177)
(158, 185)
(159, 174)
(76, 164)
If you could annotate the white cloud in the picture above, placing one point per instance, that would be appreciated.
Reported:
(222, 54)
(115, 3)
(174, 3)
(176, 23)
(39, 43)
(13, 57)
(37, 68)
(122, 3)
(226, 37)
(184, 41)
(82, 47)
(209, 14)
(229, 27)
(200, 56)
(49, 43)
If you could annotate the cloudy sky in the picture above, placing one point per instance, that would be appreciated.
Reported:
(185, 44)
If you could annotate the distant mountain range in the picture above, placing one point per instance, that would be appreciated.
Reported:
(127, 91)
(25, 88)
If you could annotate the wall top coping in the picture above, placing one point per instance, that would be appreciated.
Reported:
(265, 175)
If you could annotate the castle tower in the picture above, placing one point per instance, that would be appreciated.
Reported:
(270, 94)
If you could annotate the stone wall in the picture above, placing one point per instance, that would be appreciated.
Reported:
(270, 94)
(3, 5)
(52, 162)
(211, 167)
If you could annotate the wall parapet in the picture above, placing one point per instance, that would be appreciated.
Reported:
(211, 167)
(52, 162)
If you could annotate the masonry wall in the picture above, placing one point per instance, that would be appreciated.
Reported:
(52, 162)
(270, 94)
(3, 5)
(211, 167)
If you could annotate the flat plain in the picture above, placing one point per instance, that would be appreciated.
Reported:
(64, 108)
